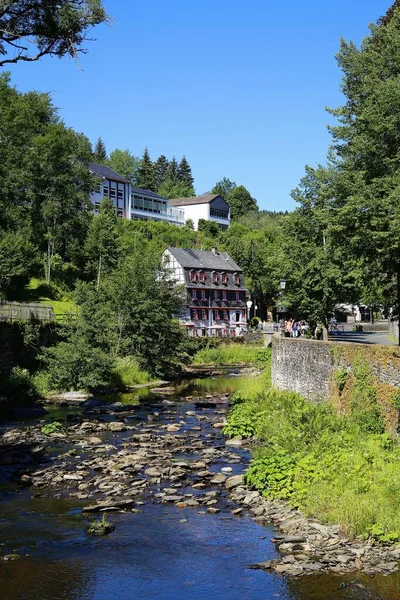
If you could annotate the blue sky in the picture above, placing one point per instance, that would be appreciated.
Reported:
(240, 88)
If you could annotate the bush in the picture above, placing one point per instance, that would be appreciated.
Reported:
(75, 365)
(18, 385)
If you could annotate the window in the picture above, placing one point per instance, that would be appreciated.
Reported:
(120, 212)
(219, 214)
(194, 294)
(225, 315)
(216, 294)
(224, 295)
(215, 277)
(237, 294)
(105, 189)
(195, 332)
(193, 276)
(204, 314)
(244, 315)
(203, 294)
(195, 314)
(237, 278)
(120, 194)
(224, 278)
(202, 277)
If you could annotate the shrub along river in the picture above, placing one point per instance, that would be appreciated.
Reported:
(156, 464)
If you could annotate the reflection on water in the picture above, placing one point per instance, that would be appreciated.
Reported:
(187, 387)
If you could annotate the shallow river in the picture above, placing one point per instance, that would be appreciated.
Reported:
(162, 552)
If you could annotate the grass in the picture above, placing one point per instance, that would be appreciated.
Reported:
(127, 373)
(38, 292)
(333, 467)
(232, 354)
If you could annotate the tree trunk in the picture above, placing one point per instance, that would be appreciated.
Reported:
(98, 274)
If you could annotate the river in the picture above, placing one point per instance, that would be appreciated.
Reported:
(159, 551)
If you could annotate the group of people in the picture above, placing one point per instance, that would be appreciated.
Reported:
(294, 328)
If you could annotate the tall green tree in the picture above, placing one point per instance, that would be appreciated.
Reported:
(223, 187)
(145, 173)
(100, 152)
(160, 170)
(30, 29)
(365, 192)
(184, 172)
(58, 188)
(240, 201)
(172, 171)
(102, 243)
(124, 163)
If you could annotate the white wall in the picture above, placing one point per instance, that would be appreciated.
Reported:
(196, 212)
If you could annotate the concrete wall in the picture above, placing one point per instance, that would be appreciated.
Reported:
(307, 366)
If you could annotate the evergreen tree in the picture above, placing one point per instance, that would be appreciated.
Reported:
(172, 171)
(160, 170)
(185, 172)
(145, 173)
(100, 152)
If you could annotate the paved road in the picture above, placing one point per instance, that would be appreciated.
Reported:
(362, 337)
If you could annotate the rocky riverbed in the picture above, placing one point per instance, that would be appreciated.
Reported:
(117, 458)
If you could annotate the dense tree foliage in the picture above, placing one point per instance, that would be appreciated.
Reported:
(124, 163)
(30, 29)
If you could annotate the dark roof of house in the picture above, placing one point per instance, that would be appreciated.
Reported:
(147, 193)
(205, 199)
(204, 259)
(106, 173)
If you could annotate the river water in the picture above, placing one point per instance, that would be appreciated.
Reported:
(162, 552)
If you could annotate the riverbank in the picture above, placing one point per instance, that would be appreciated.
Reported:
(342, 469)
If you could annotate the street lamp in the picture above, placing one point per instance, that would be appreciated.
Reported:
(249, 305)
(282, 284)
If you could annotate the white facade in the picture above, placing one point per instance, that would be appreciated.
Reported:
(210, 207)
(196, 212)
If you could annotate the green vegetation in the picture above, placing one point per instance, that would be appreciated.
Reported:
(127, 372)
(342, 469)
(54, 427)
(100, 526)
(229, 354)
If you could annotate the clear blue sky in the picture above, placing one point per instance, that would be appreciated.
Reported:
(238, 87)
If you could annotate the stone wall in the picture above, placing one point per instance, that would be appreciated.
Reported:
(394, 328)
(308, 366)
(302, 366)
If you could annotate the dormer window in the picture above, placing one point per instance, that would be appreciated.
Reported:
(215, 277)
(193, 276)
(225, 278)
(202, 276)
(236, 278)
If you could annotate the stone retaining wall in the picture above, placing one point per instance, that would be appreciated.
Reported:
(308, 366)
(394, 328)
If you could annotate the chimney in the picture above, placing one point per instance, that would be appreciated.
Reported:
(214, 251)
